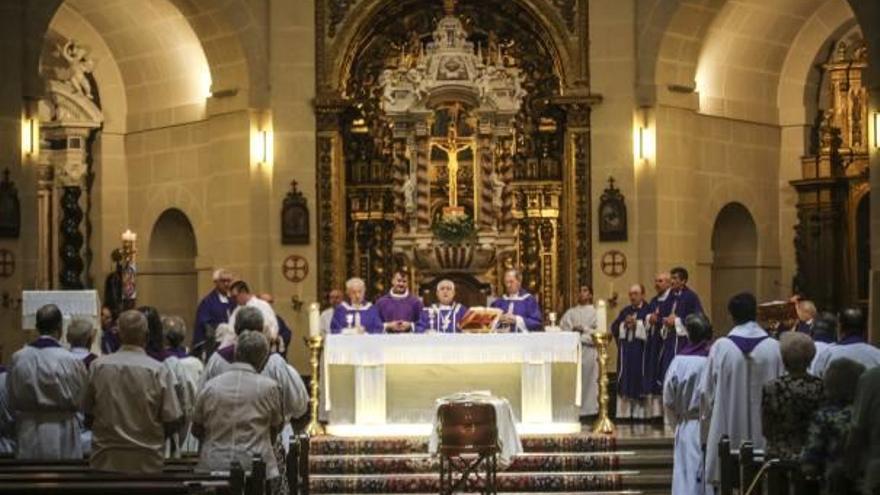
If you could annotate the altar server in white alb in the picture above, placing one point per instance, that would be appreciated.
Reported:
(334, 297)
(241, 295)
(446, 314)
(681, 401)
(852, 344)
(739, 366)
(582, 319)
(46, 386)
(522, 313)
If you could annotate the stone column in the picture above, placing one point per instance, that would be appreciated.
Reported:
(67, 155)
(423, 185)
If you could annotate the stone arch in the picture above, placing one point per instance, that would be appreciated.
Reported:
(204, 46)
(799, 80)
(361, 20)
(734, 259)
(741, 59)
(168, 278)
(670, 39)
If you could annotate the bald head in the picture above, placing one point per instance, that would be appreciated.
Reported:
(133, 328)
(49, 320)
(662, 282)
(636, 294)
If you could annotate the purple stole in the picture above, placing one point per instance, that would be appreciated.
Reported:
(523, 305)
(698, 349)
(747, 344)
(227, 353)
(178, 352)
(110, 341)
(631, 354)
(445, 318)
(403, 307)
(88, 360)
(44, 342)
(654, 345)
(367, 314)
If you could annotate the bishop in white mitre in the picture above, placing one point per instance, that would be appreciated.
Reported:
(733, 381)
(582, 319)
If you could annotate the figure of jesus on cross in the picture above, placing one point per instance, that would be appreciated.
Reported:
(452, 148)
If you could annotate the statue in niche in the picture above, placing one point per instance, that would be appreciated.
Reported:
(79, 65)
(409, 193)
(498, 186)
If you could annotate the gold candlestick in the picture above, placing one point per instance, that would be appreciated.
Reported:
(603, 423)
(315, 343)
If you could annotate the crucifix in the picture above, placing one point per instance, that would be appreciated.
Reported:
(452, 148)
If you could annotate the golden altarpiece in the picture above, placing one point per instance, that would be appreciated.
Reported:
(831, 238)
(453, 142)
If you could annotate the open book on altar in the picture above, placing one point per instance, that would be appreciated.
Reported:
(479, 319)
(772, 314)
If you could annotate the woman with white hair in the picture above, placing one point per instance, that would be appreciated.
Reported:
(356, 313)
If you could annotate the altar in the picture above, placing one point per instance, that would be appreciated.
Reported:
(388, 384)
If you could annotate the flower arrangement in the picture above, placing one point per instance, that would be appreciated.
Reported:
(454, 229)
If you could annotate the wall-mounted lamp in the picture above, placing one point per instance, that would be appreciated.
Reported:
(643, 138)
(877, 129)
(262, 147)
(30, 136)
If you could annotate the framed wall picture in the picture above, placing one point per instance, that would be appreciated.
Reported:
(294, 217)
(10, 208)
(612, 215)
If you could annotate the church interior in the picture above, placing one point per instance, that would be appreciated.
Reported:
(522, 158)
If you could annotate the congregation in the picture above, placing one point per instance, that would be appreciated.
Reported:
(802, 393)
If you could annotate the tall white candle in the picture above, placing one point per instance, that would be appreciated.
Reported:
(601, 316)
(314, 320)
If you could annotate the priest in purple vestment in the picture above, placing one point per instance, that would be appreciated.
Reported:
(356, 313)
(629, 331)
(399, 310)
(682, 302)
(446, 314)
(215, 308)
(521, 310)
(660, 308)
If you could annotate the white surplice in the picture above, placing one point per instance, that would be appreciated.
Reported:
(860, 352)
(583, 317)
(820, 348)
(45, 390)
(681, 402)
(7, 420)
(294, 397)
(187, 373)
(731, 391)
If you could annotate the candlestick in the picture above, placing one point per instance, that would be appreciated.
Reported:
(315, 344)
(552, 318)
(601, 316)
(314, 320)
(129, 236)
(601, 339)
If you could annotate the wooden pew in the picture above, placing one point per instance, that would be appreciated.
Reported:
(740, 469)
(74, 477)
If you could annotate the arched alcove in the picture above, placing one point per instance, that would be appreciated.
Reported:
(734, 260)
(167, 277)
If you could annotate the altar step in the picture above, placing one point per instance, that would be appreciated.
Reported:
(557, 464)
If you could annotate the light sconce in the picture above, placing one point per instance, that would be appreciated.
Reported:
(877, 129)
(643, 138)
(261, 147)
(30, 136)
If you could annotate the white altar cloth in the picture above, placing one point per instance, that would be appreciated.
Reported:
(374, 356)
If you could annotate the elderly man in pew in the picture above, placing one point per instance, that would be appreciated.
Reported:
(7, 420)
(130, 404)
(238, 413)
(45, 386)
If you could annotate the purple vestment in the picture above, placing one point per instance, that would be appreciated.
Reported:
(631, 352)
(445, 319)
(399, 307)
(523, 305)
(212, 311)
(681, 303)
(366, 316)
